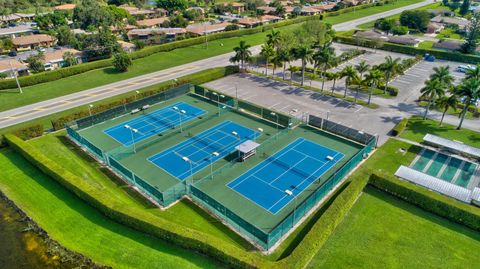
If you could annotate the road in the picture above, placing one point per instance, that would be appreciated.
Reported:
(44, 108)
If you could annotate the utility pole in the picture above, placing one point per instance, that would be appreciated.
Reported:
(16, 77)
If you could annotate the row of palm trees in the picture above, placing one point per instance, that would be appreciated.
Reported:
(440, 91)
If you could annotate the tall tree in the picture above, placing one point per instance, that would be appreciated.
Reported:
(446, 103)
(324, 58)
(465, 7)
(283, 56)
(443, 75)
(473, 33)
(303, 53)
(335, 76)
(362, 67)
(122, 61)
(390, 67)
(373, 79)
(470, 91)
(172, 5)
(88, 14)
(432, 90)
(473, 73)
(267, 53)
(242, 53)
(350, 75)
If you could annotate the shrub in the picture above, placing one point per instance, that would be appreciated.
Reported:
(29, 132)
(430, 201)
(122, 61)
(392, 91)
(400, 30)
(400, 127)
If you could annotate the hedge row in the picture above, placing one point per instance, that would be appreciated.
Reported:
(430, 201)
(29, 132)
(440, 54)
(81, 68)
(196, 78)
(400, 127)
(324, 227)
(137, 219)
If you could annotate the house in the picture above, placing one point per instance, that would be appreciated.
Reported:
(252, 22)
(65, 7)
(156, 35)
(16, 17)
(12, 32)
(447, 21)
(450, 45)
(144, 13)
(407, 40)
(32, 41)
(127, 46)
(441, 12)
(54, 59)
(151, 23)
(267, 10)
(322, 8)
(11, 67)
(118, 29)
(206, 28)
(309, 11)
(434, 28)
(266, 19)
(237, 7)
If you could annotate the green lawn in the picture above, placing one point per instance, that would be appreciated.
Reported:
(81, 228)
(417, 128)
(159, 61)
(449, 33)
(425, 45)
(381, 231)
(369, 25)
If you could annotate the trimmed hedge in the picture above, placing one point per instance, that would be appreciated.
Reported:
(29, 132)
(440, 54)
(324, 227)
(196, 78)
(400, 127)
(430, 201)
(136, 219)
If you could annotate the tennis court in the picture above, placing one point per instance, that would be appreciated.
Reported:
(153, 123)
(277, 180)
(203, 149)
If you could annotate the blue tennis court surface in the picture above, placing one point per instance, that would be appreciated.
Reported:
(153, 123)
(200, 149)
(293, 168)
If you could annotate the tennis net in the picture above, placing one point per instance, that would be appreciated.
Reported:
(289, 167)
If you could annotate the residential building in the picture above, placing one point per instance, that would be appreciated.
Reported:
(127, 46)
(145, 13)
(16, 17)
(65, 7)
(206, 28)
(237, 7)
(446, 21)
(151, 23)
(450, 45)
(118, 29)
(54, 59)
(407, 40)
(19, 30)
(32, 41)
(253, 22)
(11, 67)
(434, 28)
(156, 35)
(267, 10)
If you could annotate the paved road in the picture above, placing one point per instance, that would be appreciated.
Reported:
(44, 108)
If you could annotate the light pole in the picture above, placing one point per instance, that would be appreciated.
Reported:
(136, 93)
(180, 114)
(290, 193)
(132, 130)
(214, 154)
(90, 109)
(14, 73)
(236, 94)
(276, 115)
(186, 159)
(328, 114)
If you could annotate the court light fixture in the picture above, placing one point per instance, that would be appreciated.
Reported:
(260, 129)
(185, 159)
(176, 108)
(127, 126)
(183, 111)
(234, 133)
(289, 192)
(216, 154)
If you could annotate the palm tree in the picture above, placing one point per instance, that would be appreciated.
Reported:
(390, 67)
(373, 79)
(432, 90)
(292, 69)
(334, 76)
(443, 75)
(273, 39)
(304, 53)
(284, 57)
(447, 103)
(350, 74)
(242, 53)
(362, 67)
(470, 91)
(324, 58)
(267, 52)
(473, 73)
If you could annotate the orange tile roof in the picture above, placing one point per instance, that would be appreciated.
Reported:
(200, 29)
(58, 54)
(65, 7)
(152, 22)
(31, 39)
(5, 65)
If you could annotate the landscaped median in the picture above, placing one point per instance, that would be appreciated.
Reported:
(60, 82)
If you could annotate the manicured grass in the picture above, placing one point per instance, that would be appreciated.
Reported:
(58, 148)
(425, 45)
(417, 128)
(81, 228)
(369, 11)
(159, 61)
(449, 33)
(384, 232)
(369, 25)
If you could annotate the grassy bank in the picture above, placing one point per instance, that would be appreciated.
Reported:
(385, 232)
(159, 61)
